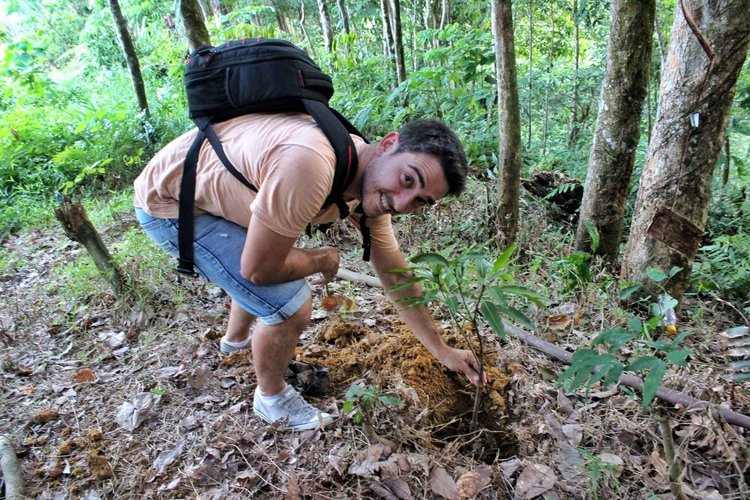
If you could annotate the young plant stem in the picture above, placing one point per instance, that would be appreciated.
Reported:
(480, 361)
(675, 468)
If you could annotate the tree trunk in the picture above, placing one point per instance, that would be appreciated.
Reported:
(445, 9)
(709, 43)
(573, 131)
(325, 25)
(344, 15)
(131, 58)
(509, 176)
(194, 24)
(216, 9)
(78, 227)
(398, 48)
(531, 65)
(304, 31)
(727, 159)
(385, 16)
(618, 130)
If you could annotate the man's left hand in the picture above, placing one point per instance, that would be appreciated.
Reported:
(463, 361)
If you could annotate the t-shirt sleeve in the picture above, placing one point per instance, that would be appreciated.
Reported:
(381, 232)
(293, 188)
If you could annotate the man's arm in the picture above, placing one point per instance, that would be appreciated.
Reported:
(418, 318)
(269, 258)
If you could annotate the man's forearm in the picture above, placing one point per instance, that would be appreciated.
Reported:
(299, 263)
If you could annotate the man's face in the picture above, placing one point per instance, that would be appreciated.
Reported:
(401, 183)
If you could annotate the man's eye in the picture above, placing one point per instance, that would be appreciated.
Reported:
(408, 180)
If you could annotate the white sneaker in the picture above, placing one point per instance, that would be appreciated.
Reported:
(230, 347)
(290, 406)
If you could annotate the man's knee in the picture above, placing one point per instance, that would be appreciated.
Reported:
(301, 318)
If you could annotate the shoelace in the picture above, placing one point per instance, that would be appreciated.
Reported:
(296, 405)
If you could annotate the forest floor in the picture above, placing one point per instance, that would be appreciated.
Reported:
(106, 399)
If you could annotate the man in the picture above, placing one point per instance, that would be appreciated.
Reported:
(244, 242)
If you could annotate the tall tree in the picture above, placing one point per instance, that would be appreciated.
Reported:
(509, 178)
(385, 16)
(618, 124)
(398, 40)
(325, 24)
(708, 45)
(194, 24)
(344, 15)
(131, 58)
(574, 119)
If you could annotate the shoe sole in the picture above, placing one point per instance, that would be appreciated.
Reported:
(322, 423)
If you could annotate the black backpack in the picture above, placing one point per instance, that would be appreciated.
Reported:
(258, 76)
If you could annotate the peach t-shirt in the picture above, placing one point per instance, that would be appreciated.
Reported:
(284, 155)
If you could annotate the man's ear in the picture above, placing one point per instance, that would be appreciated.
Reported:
(388, 143)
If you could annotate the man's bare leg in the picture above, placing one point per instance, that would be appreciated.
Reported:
(273, 349)
(240, 322)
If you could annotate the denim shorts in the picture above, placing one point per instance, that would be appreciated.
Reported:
(218, 246)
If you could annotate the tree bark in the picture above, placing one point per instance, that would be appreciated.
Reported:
(194, 24)
(618, 123)
(509, 175)
(709, 43)
(531, 65)
(216, 8)
(325, 25)
(344, 15)
(78, 227)
(131, 58)
(385, 15)
(573, 131)
(398, 48)
(445, 9)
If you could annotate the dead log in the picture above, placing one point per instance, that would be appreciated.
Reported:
(78, 227)
(665, 394)
(11, 470)
(358, 277)
(557, 188)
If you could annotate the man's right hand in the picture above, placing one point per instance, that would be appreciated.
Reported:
(329, 262)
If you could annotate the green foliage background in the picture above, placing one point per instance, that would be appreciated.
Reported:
(70, 122)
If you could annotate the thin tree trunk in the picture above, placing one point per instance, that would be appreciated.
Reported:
(304, 30)
(727, 159)
(385, 14)
(709, 44)
(509, 176)
(657, 30)
(194, 24)
(78, 227)
(398, 40)
(344, 15)
(573, 132)
(216, 8)
(131, 58)
(325, 25)
(531, 65)
(612, 156)
(445, 9)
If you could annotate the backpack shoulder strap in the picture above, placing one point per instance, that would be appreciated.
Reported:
(185, 264)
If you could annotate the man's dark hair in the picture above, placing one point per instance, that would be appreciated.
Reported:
(435, 138)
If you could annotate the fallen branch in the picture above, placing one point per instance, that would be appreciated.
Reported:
(362, 278)
(11, 470)
(665, 394)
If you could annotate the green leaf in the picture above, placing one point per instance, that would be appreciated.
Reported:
(390, 400)
(431, 258)
(627, 292)
(348, 406)
(491, 315)
(354, 392)
(593, 235)
(614, 337)
(522, 291)
(674, 271)
(643, 363)
(502, 261)
(679, 357)
(656, 275)
(515, 314)
(652, 382)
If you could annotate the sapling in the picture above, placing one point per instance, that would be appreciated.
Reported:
(473, 289)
